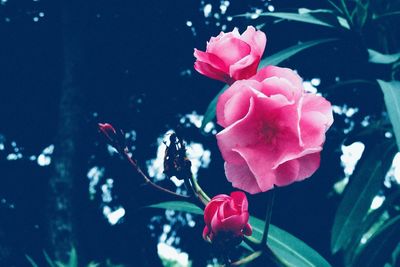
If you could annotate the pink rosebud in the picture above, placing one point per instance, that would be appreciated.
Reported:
(231, 56)
(274, 130)
(226, 218)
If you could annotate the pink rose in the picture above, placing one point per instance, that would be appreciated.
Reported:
(226, 218)
(274, 131)
(231, 56)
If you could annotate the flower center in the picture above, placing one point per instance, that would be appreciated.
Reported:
(268, 133)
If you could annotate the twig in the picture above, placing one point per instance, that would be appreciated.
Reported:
(133, 163)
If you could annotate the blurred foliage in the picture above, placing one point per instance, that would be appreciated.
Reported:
(72, 262)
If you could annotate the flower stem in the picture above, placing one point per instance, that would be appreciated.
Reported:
(198, 191)
(270, 202)
(133, 163)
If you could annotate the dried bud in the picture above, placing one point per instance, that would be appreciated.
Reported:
(175, 161)
(115, 138)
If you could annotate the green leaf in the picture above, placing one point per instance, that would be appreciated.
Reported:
(73, 258)
(209, 115)
(380, 246)
(391, 93)
(93, 264)
(31, 261)
(376, 57)
(360, 14)
(335, 6)
(178, 206)
(363, 187)
(274, 59)
(386, 15)
(306, 17)
(371, 219)
(284, 54)
(50, 262)
(288, 248)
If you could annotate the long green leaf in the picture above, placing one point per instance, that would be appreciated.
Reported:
(386, 15)
(31, 261)
(288, 248)
(318, 17)
(321, 17)
(380, 246)
(379, 58)
(371, 219)
(178, 206)
(364, 186)
(306, 18)
(391, 93)
(209, 115)
(284, 54)
(274, 59)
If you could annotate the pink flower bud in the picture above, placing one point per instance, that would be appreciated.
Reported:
(226, 218)
(231, 56)
(115, 138)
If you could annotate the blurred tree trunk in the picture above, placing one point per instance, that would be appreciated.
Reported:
(69, 159)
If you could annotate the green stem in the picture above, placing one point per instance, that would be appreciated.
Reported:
(270, 202)
(203, 197)
(247, 259)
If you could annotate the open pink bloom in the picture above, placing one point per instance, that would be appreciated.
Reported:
(231, 56)
(274, 131)
(226, 217)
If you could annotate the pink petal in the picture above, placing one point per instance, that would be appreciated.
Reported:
(276, 87)
(313, 102)
(211, 59)
(235, 223)
(216, 224)
(230, 50)
(308, 165)
(256, 39)
(285, 73)
(240, 199)
(241, 177)
(211, 72)
(237, 107)
(206, 231)
(245, 67)
(210, 210)
(239, 134)
(259, 162)
(297, 169)
(227, 210)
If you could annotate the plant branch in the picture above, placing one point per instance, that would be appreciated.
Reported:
(270, 202)
(133, 163)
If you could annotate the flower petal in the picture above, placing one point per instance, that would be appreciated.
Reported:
(285, 73)
(230, 50)
(256, 39)
(210, 59)
(241, 177)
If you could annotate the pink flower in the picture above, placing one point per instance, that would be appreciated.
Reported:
(231, 56)
(226, 218)
(274, 131)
